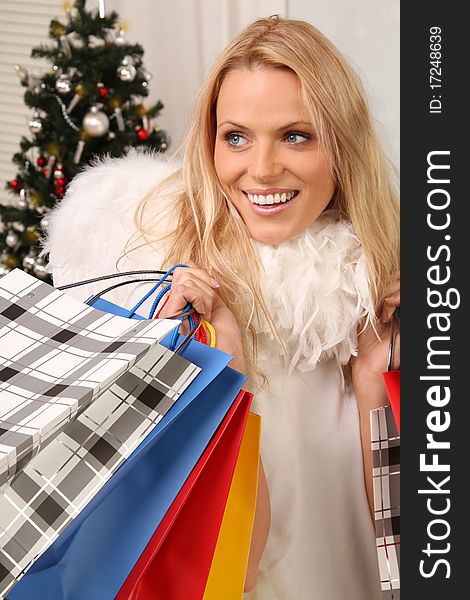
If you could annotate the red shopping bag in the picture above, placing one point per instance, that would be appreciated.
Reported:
(392, 383)
(229, 565)
(176, 562)
(392, 376)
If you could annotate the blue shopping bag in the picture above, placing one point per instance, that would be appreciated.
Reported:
(106, 539)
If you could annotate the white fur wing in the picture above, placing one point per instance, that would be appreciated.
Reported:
(91, 226)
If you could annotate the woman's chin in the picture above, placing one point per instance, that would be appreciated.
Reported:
(273, 238)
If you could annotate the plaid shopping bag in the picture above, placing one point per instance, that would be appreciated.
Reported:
(106, 539)
(57, 356)
(111, 372)
(385, 440)
(386, 479)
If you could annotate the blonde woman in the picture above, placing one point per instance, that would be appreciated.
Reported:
(284, 211)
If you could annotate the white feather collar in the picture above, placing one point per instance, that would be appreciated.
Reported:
(316, 288)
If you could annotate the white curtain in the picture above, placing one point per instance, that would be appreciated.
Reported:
(181, 38)
(23, 24)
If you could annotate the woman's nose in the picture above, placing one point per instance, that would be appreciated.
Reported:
(264, 163)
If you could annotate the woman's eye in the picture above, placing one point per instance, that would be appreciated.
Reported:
(295, 137)
(235, 140)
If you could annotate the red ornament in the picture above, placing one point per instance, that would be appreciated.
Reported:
(15, 185)
(41, 161)
(142, 134)
(59, 181)
(103, 92)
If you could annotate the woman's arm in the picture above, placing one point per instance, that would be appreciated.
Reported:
(195, 286)
(367, 369)
(370, 393)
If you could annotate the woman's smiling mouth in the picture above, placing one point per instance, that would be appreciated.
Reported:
(270, 201)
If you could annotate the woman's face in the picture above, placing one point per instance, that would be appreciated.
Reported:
(267, 156)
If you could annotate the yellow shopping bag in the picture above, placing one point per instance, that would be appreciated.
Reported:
(228, 569)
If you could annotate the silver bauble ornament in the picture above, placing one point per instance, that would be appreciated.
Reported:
(18, 226)
(29, 261)
(120, 40)
(11, 239)
(21, 204)
(45, 223)
(95, 122)
(63, 85)
(35, 124)
(95, 42)
(39, 268)
(126, 70)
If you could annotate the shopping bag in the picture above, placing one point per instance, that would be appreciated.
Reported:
(385, 440)
(176, 562)
(229, 564)
(57, 356)
(392, 376)
(151, 301)
(78, 362)
(386, 483)
(48, 492)
(144, 489)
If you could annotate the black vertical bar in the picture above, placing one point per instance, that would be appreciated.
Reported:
(434, 126)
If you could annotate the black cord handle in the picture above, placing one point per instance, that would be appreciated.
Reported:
(395, 321)
(113, 276)
(182, 314)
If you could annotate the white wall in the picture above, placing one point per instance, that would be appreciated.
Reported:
(182, 37)
(368, 33)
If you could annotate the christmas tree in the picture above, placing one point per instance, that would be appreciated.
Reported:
(89, 103)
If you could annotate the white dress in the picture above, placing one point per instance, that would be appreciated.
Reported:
(321, 544)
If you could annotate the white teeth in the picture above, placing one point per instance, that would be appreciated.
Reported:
(270, 198)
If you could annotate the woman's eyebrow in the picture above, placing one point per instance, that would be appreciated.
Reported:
(288, 126)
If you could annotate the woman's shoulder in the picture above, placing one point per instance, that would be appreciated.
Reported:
(89, 229)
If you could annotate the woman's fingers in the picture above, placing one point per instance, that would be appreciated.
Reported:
(190, 285)
(391, 300)
(389, 307)
(204, 275)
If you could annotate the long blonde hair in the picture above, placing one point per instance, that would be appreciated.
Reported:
(209, 230)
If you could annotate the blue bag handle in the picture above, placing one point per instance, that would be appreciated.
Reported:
(187, 312)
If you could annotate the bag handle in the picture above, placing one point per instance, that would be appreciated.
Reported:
(166, 276)
(395, 322)
(187, 312)
(113, 276)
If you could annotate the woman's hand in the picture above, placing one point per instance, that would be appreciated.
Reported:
(195, 286)
(372, 354)
(367, 369)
